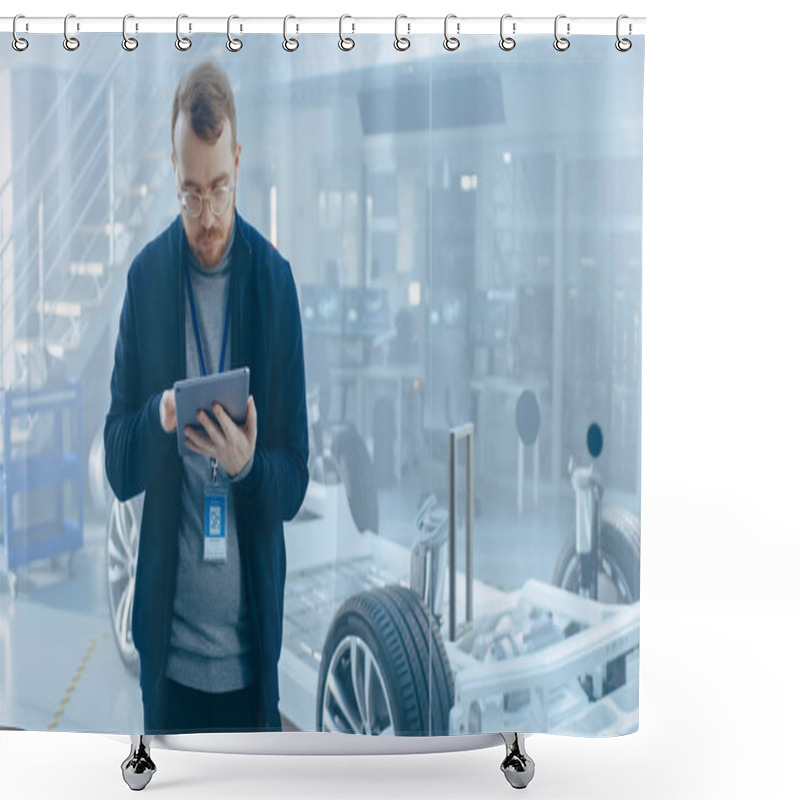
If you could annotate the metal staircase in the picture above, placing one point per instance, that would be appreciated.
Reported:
(87, 208)
(85, 186)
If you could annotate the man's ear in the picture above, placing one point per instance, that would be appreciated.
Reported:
(175, 169)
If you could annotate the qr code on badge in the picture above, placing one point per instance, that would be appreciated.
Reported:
(215, 522)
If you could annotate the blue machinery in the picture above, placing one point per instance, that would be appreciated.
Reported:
(41, 475)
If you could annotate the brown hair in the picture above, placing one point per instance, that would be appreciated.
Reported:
(205, 95)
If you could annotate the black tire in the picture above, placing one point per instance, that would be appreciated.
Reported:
(620, 554)
(325, 471)
(618, 582)
(358, 475)
(396, 627)
(384, 435)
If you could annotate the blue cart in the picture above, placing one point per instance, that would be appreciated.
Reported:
(41, 476)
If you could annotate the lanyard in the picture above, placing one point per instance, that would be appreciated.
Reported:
(197, 329)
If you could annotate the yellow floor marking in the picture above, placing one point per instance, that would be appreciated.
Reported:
(71, 688)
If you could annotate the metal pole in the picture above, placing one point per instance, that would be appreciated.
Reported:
(111, 174)
(87, 25)
(41, 276)
(470, 515)
(557, 389)
(2, 301)
(451, 540)
(465, 431)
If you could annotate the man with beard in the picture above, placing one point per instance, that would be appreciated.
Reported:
(209, 294)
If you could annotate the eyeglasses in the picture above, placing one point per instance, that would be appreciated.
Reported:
(219, 199)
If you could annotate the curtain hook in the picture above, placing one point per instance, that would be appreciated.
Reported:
(401, 43)
(561, 43)
(233, 44)
(451, 42)
(128, 42)
(181, 42)
(345, 43)
(623, 45)
(507, 42)
(290, 45)
(70, 42)
(18, 43)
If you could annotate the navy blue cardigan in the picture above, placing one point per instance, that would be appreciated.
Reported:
(150, 356)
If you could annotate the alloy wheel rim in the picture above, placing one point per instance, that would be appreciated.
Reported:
(123, 543)
(355, 699)
(612, 586)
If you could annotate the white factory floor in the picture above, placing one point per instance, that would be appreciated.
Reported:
(59, 666)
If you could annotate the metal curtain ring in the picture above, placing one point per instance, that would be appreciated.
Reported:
(401, 43)
(623, 45)
(451, 42)
(181, 42)
(18, 43)
(561, 43)
(233, 44)
(506, 42)
(128, 42)
(345, 43)
(290, 45)
(70, 42)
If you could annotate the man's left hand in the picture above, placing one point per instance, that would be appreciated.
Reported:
(232, 445)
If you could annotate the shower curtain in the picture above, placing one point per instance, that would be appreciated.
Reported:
(432, 523)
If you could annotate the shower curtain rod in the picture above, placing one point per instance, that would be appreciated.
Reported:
(406, 26)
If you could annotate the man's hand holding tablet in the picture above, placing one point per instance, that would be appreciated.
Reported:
(214, 416)
(231, 444)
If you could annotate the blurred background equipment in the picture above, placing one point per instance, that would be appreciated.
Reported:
(41, 477)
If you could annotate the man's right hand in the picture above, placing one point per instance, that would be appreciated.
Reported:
(167, 410)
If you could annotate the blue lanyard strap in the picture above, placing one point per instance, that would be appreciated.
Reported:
(197, 329)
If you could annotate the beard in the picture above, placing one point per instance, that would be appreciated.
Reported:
(208, 246)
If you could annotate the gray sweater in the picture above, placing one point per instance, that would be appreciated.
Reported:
(210, 645)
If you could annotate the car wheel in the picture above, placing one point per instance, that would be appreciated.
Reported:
(355, 467)
(617, 581)
(122, 549)
(384, 670)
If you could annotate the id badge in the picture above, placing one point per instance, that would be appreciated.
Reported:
(215, 524)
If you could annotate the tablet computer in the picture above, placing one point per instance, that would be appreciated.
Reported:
(230, 389)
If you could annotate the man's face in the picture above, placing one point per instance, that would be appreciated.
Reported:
(201, 167)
